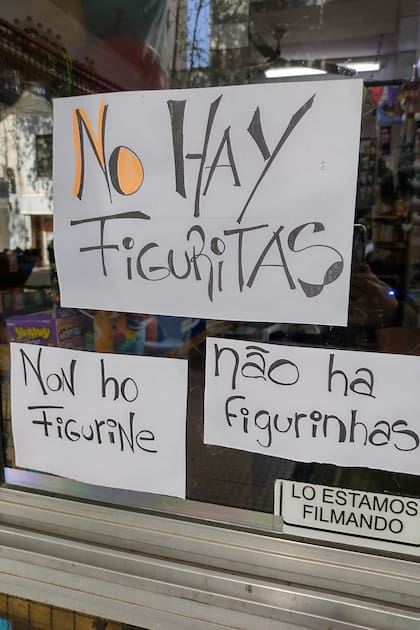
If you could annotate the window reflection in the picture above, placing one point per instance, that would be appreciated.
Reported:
(88, 47)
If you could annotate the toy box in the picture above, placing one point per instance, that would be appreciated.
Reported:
(173, 332)
(132, 332)
(62, 328)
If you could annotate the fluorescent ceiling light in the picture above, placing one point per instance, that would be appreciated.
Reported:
(292, 71)
(364, 66)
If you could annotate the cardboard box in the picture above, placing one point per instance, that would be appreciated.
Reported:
(62, 328)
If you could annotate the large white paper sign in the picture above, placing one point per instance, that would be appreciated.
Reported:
(104, 419)
(314, 404)
(231, 202)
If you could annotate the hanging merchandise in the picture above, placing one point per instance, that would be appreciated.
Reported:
(376, 92)
(410, 104)
(415, 200)
(385, 139)
(409, 101)
(389, 109)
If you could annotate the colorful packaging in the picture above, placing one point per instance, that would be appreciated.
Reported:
(173, 332)
(133, 332)
(102, 328)
(63, 329)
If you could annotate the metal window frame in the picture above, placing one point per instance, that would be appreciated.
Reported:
(2, 440)
(166, 572)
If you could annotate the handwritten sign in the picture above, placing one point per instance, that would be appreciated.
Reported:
(104, 419)
(371, 519)
(314, 404)
(233, 202)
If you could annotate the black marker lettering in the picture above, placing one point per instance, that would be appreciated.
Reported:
(256, 132)
(136, 214)
(203, 155)
(295, 119)
(274, 239)
(176, 111)
(231, 165)
(333, 272)
(240, 232)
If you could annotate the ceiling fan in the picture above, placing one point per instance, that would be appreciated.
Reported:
(277, 66)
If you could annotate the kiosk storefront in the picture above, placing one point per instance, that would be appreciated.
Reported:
(210, 394)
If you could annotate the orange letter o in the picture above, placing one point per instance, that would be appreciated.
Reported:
(125, 170)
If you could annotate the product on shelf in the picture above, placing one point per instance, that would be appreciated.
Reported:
(61, 328)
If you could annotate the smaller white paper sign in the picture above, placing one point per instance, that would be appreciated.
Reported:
(371, 519)
(314, 404)
(110, 420)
